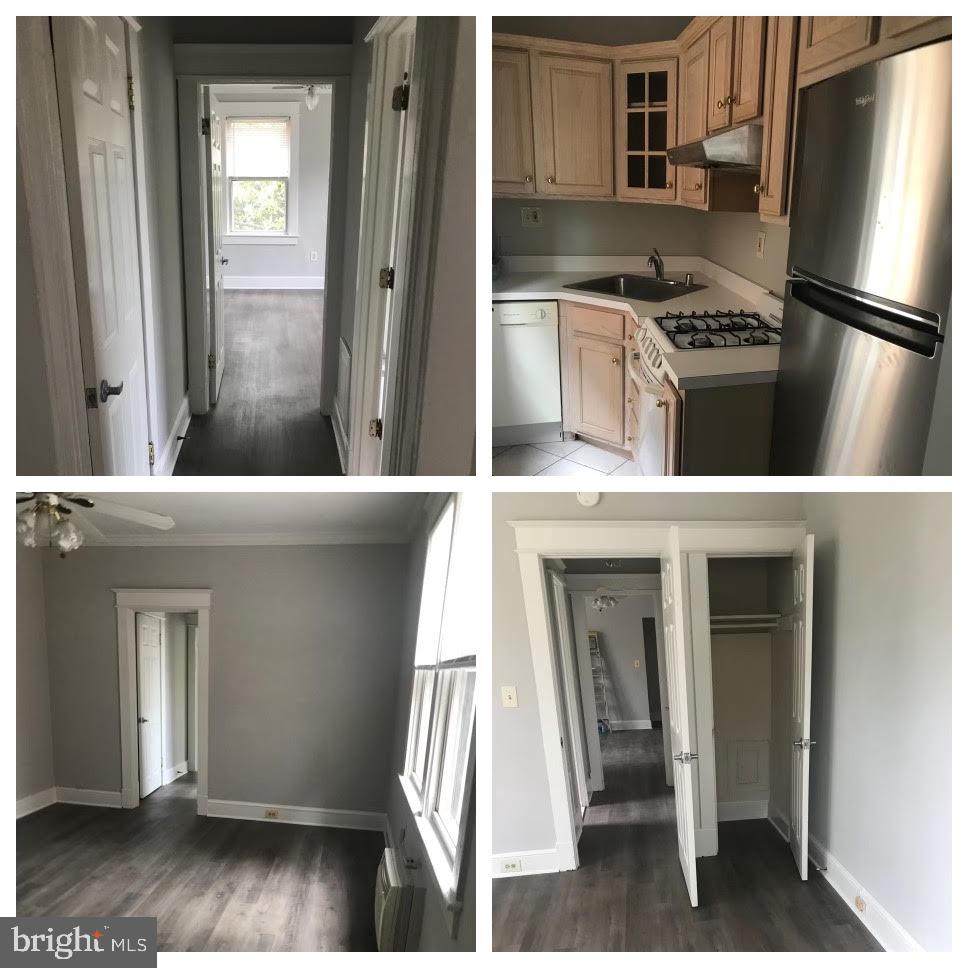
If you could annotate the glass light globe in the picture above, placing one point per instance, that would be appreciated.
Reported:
(66, 536)
(27, 528)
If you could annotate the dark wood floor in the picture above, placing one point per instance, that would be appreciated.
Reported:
(267, 418)
(213, 884)
(629, 892)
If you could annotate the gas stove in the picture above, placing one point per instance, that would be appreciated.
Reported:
(719, 328)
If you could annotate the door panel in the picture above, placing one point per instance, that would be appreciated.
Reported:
(750, 45)
(512, 134)
(800, 725)
(597, 386)
(720, 73)
(214, 187)
(781, 47)
(89, 54)
(681, 714)
(824, 40)
(149, 703)
(693, 120)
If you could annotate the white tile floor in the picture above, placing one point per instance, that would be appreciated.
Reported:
(560, 459)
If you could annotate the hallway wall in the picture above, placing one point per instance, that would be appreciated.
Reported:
(175, 740)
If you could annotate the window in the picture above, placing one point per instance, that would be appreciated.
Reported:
(440, 745)
(257, 170)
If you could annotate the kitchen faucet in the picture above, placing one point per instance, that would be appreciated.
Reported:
(655, 262)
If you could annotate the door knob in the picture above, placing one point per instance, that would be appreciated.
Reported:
(223, 260)
(109, 391)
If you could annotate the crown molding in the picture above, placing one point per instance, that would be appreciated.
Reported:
(268, 539)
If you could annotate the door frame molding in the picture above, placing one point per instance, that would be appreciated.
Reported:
(206, 64)
(537, 541)
(129, 601)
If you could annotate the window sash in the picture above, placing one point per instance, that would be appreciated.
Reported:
(232, 230)
(278, 144)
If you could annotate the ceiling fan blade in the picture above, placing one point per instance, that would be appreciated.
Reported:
(90, 529)
(81, 502)
(136, 515)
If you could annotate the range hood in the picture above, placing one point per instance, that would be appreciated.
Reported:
(740, 149)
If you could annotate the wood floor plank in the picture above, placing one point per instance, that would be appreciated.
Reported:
(629, 893)
(213, 884)
(267, 418)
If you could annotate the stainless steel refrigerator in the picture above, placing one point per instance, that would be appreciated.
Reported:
(868, 300)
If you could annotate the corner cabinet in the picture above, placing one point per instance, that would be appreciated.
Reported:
(645, 127)
(572, 98)
(512, 135)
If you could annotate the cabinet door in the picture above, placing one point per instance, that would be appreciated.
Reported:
(749, 47)
(596, 381)
(720, 73)
(645, 127)
(671, 403)
(778, 114)
(895, 26)
(824, 40)
(692, 123)
(512, 137)
(573, 141)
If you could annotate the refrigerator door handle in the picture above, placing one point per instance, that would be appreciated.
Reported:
(881, 323)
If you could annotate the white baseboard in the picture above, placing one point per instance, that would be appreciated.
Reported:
(527, 861)
(89, 798)
(342, 441)
(36, 801)
(618, 725)
(307, 816)
(891, 935)
(173, 772)
(166, 459)
(743, 810)
(274, 282)
(781, 823)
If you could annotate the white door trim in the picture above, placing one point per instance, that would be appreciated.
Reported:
(128, 601)
(538, 540)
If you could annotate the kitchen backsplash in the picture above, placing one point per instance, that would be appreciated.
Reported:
(620, 228)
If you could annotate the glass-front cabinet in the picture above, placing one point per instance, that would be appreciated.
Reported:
(645, 126)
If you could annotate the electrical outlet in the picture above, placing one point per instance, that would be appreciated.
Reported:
(271, 813)
(760, 248)
(313, 256)
(511, 867)
(509, 697)
(531, 218)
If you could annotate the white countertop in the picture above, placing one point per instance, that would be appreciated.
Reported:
(545, 279)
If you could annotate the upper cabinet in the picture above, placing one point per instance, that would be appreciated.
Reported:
(736, 48)
(572, 97)
(645, 127)
(694, 70)
(512, 136)
(824, 40)
(720, 74)
(780, 79)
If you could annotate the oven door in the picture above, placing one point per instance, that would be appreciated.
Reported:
(652, 444)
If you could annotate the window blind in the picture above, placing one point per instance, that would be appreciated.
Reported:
(257, 147)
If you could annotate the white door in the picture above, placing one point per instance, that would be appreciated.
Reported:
(681, 715)
(569, 676)
(149, 702)
(586, 689)
(388, 278)
(92, 89)
(800, 726)
(216, 260)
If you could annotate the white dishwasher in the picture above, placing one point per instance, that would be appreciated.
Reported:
(526, 368)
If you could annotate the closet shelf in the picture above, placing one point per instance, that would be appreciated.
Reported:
(745, 623)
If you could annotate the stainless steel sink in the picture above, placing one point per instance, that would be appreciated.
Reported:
(637, 287)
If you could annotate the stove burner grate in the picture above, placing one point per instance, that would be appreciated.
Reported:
(695, 330)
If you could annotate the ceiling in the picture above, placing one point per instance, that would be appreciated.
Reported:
(612, 566)
(261, 518)
(262, 30)
(609, 31)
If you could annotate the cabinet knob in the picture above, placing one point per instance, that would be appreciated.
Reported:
(550, 179)
(697, 186)
(720, 104)
(758, 189)
(660, 403)
(730, 99)
(615, 361)
(668, 184)
(528, 179)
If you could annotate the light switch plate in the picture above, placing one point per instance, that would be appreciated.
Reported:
(509, 697)
(760, 248)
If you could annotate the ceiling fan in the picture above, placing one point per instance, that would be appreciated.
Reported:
(312, 92)
(59, 521)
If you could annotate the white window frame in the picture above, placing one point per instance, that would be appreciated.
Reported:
(262, 111)
(444, 852)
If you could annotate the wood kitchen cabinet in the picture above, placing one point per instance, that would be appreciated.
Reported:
(780, 82)
(720, 74)
(512, 133)
(694, 71)
(896, 26)
(736, 48)
(826, 40)
(645, 127)
(572, 98)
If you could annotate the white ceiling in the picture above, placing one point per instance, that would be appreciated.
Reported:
(261, 518)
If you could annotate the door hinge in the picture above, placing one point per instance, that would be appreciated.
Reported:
(376, 428)
(151, 453)
(401, 96)
(206, 126)
(131, 93)
(386, 277)
(90, 397)
(211, 361)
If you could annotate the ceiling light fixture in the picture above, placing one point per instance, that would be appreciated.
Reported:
(46, 524)
(604, 601)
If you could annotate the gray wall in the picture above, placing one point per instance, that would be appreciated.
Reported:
(625, 228)
(305, 654)
(164, 221)
(35, 758)
(780, 599)
(880, 785)
(175, 739)
(521, 805)
(435, 935)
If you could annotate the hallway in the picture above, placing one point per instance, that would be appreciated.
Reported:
(213, 884)
(628, 894)
(267, 418)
